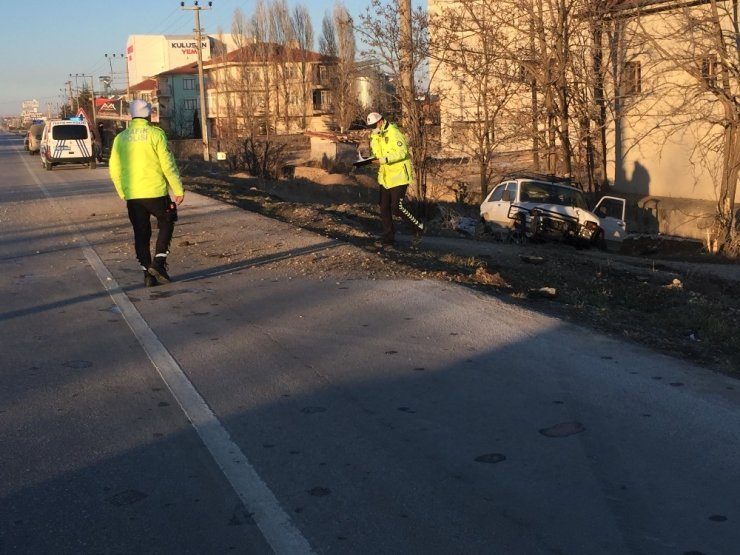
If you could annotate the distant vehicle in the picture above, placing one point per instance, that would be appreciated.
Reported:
(33, 138)
(67, 142)
(540, 206)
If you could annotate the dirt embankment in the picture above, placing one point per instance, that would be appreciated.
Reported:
(686, 304)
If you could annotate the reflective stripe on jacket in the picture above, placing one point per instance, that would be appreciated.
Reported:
(141, 164)
(389, 146)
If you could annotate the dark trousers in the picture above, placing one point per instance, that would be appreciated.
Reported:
(391, 204)
(140, 211)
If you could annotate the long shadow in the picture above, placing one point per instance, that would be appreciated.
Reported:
(485, 439)
(186, 277)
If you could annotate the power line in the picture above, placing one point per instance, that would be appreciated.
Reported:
(164, 21)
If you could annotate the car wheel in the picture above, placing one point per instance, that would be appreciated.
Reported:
(518, 233)
(535, 223)
(599, 240)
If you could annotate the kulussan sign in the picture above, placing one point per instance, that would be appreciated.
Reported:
(191, 47)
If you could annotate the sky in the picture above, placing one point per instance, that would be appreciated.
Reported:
(49, 40)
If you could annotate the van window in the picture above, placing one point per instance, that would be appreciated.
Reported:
(62, 132)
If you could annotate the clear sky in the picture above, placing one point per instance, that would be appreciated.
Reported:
(50, 39)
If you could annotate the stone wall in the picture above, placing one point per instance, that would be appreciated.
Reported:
(186, 149)
(676, 217)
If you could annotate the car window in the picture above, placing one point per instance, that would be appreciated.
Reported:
(569, 197)
(69, 132)
(511, 188)
(551, 193)
(610, 208)
(497, 193)
(534, 192)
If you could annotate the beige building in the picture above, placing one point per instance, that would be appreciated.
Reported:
(668, 127)
(267, 88)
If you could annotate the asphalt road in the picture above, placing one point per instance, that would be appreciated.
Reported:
(241, 410)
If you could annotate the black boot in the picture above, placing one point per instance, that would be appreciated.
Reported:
(158, 269)
(149, 280)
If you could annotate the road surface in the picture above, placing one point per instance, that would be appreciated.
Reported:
(241, 409)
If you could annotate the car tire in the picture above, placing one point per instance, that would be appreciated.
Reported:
(599, 240)
(535, 223)
(485, 226)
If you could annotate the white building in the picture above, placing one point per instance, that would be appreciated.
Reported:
(149, 55)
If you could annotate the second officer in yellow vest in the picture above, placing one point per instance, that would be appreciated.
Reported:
(389, 147)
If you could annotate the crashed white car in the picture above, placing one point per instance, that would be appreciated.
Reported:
(550, 207)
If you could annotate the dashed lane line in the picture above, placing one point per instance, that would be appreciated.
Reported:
(272, 520)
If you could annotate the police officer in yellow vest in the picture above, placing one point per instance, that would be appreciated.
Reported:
(142, 168)
(389, 147)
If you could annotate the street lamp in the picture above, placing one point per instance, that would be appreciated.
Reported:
(203, 121)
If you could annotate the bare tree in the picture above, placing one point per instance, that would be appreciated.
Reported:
(303, 33)
(283, 43)
(481, 81)
(263, 50)
(338, 41)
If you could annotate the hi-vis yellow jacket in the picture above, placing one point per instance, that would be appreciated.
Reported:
(141, 164)
(389, 146)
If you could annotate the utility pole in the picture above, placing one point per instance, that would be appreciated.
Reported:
(92, 94)
(110, 64)
(71, 101)
(203, 117)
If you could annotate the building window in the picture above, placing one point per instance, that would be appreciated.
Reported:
(631, 79)
(709, 70)
(188, 84)
(526, 71)
(321, 100)
(292, 73)
(189, 104)
(324, 74)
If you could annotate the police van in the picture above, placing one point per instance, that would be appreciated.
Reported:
(67, 141)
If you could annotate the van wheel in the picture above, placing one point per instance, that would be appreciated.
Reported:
(93, 164)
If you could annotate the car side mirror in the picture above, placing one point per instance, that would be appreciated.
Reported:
(506, 196)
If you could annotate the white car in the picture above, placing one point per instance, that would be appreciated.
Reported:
(67, 141)
(549, 207)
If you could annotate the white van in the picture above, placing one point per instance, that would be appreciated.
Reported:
(67, 141)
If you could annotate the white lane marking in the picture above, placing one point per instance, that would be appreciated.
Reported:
(270, 517)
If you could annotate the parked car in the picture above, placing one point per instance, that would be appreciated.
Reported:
(542, 206)
(33, 138)
(67, 141)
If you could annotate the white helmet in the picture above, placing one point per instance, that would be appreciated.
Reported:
(373, 118)
(139, 109)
